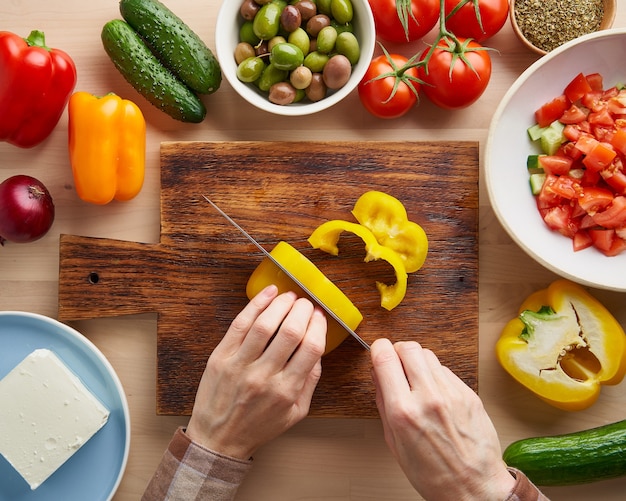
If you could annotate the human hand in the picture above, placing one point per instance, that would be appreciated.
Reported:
(436, 426)
(259, 380)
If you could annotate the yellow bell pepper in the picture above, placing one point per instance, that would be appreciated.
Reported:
(563, 346)
(313, 279)
(107, 147)
(387, 218)
(326, 236)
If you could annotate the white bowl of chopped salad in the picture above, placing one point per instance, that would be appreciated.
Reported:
(555, 162)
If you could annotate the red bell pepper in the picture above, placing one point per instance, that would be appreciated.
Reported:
(35, 85)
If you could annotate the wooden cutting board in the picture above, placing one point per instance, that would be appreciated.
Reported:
(195, 277)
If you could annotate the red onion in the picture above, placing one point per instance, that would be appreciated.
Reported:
(26, 209)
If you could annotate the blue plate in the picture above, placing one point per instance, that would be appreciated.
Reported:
(94, 472)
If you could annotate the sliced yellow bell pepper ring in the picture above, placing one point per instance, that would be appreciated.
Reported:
(564, 346)
(326, 236)
(305, 271)
(387, 219)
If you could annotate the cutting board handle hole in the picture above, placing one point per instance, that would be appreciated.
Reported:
(93, 278)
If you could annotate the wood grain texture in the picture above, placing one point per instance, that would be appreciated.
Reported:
(195, 277)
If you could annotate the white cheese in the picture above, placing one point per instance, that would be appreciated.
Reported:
(46, 415)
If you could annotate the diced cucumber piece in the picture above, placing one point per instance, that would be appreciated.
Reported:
(552, 138)
(535, 132)
(532, 164)
(536, 182)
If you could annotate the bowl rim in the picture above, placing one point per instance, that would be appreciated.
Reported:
(488, 166)
(253, 97)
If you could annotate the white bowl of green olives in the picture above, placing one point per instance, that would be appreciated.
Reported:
(294, 57)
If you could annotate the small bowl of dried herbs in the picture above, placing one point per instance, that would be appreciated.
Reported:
(544, 25)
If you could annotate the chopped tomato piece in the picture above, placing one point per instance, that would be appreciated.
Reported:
(573, 115)
(618, 141)
(586, 143)
(617, 246)
(552, 110)
(565, 187)
(559, 218)
(614, 216)
(601, 117)
(582, 240)
(555, 164)
(595, 81)
(572, 132)
(593, 199)
(602, 239)
(577, 88)
(593, 100)
(599, 157)
(616, 179)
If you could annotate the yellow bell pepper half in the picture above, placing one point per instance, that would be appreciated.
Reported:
(387, 219)
(563, 346)
(326, 236)
(107, 147)
(314, 280)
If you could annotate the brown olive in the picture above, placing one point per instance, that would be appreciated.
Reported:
(317, 90)
(262, 49)
(290, 18)
(243, 51)
(337, 71)
(248, 9)
(282, 93)
(316, 23)
(301, 77)
(307, 9)
(262, 2)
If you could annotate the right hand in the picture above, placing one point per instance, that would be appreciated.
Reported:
(436, 426)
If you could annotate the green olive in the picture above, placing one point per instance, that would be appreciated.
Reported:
(326, 39)
(316, 61)
(300, 38)
(348, 45)
(271, 75)
(286, 56)
(250, 69)
(267, 21)
(342, 10)
(323, 7)
(246, 34)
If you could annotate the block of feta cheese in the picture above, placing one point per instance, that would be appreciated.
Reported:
(46, 415)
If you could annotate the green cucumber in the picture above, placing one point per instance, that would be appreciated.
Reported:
(575, 458)
(134, 60)
(178, 47)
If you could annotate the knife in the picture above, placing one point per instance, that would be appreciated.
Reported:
(312, 296)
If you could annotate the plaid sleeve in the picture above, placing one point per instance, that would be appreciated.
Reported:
(188, 472)
(524, 489)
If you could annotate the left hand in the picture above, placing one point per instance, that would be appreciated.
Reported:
(259, 380)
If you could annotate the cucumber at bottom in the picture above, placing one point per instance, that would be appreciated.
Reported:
(147, 75)
(575, 458)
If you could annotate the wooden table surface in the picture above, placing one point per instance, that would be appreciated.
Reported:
(319, 459)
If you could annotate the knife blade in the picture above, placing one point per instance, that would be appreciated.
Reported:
(312, 296)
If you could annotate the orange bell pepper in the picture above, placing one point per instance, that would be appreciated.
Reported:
(313, 279)
(563, 346)
(107, 147)
(326, 236)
